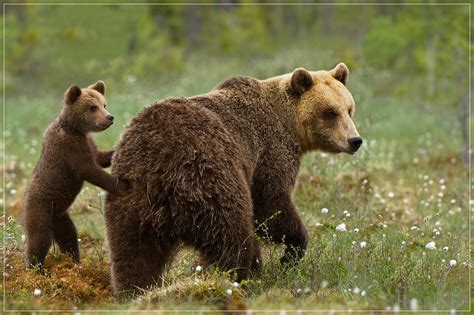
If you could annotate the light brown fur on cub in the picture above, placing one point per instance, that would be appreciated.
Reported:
(69, 156)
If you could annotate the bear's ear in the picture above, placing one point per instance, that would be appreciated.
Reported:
(340, 73)
(72, 94)
(301, 81)
(99, 86)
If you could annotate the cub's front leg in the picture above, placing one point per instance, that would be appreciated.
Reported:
(104, 158)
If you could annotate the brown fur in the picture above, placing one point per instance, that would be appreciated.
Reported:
(209, 170)
(69, 156)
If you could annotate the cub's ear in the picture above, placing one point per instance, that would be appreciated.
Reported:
(340, 73)
(301, 81)
(99, 86)
(72, 94)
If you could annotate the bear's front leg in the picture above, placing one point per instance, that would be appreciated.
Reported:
(278, 219)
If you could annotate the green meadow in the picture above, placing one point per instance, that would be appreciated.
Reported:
(389, 226)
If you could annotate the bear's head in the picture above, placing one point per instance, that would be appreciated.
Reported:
(85, 110)
(324, 110)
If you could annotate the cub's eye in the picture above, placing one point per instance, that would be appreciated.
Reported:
(350, 112)
(92, 108)
(330, 114)
(105, 105)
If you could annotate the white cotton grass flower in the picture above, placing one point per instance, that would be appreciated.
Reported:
(23, 238)
(446, 248)
(341, 227)
(37, 292)
(198, 268)
(356, 290)
(228, 291)
(363, 244)
(356, 230)
(363, 293)
(431, 245)
(324, 210)
(235, 284)
(453, 263)
(391, 195)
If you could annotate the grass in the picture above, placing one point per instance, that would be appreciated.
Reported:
(406, 188)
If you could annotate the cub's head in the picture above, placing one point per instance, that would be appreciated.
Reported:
(85, 109)
(324, 110)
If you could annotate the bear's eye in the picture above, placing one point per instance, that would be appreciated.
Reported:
(350, 112)
(330, 114)
(92, 108)
(105, 105)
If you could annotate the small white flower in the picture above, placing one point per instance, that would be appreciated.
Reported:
(307, 290)
(324, 284)
(442, 181)
(298, 290)
(453, 201)
(23, 238)
(356, 290)
(353, 242)
(324, 210)
(228, 292)
(37, 292)
(198, 268)
(363, 293)
(431, 245)
(341, 227)
(356, 230)
(443, 260)
(452, 263)
(79, 240)
(391, 195)
(363, 244)
(403, 243)
(235, 284)
(440, 195)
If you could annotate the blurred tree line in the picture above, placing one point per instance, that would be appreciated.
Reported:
(416, 51)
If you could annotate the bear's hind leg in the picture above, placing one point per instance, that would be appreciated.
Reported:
(225, 234)
(137, 256)
(39, 234)
(65, 236)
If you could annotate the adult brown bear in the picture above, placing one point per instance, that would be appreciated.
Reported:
(205, 169)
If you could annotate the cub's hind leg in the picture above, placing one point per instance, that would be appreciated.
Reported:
(65, 236)
(38, 226)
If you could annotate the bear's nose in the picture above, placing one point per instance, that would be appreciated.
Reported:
(355, 142)
(110, 117)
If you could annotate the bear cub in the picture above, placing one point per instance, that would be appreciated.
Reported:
(68, 158)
